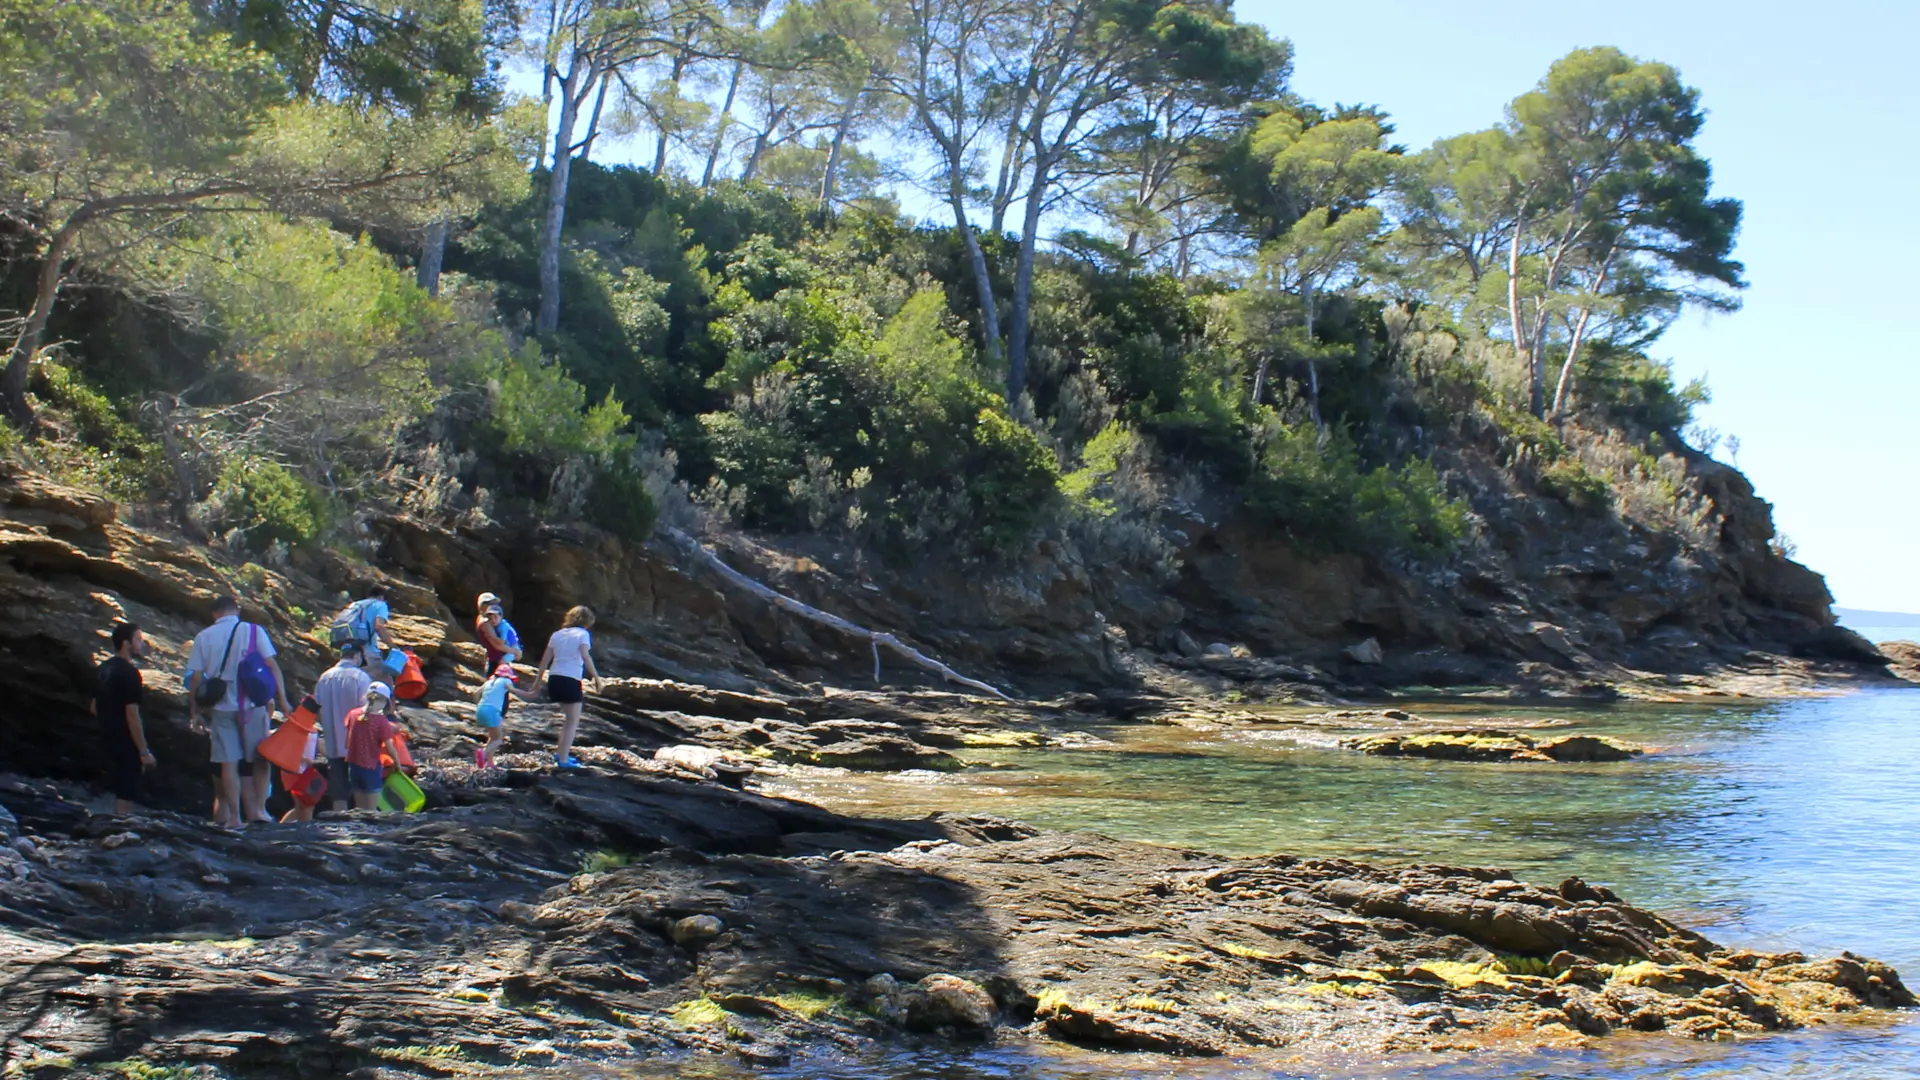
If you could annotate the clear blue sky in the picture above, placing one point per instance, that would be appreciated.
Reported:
(1813, 125)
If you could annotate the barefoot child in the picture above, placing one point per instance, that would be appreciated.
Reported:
(495, 695)
(369, 731)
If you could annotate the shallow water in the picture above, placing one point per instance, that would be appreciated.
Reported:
(1783, 826)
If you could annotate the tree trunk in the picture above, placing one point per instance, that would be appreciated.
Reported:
(433, 253)
(1565, 385)
(13, 381)
(830, 178)
(982, 280)
(720, 126)
(547, 320)
(1313, 368)
(753, 158)
(1535, 398)
(678, 70)
(593, 124)
(1260, 380)
(1019, 313)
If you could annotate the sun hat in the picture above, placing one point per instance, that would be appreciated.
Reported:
(486, 598)
(505, 671)
(382, 689)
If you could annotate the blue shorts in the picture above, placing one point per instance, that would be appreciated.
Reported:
(364, 780)
(488, 717)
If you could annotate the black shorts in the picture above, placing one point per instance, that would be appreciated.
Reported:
(123, 768)
(564, 691)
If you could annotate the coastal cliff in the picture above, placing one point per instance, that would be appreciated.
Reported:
(531, 917)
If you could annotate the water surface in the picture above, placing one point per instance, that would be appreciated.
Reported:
(1789, 825)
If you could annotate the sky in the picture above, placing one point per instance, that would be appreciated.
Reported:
(1814, 122)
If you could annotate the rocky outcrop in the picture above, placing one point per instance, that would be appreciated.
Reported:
(534, 918)
(1904, 657)
(1486, 744)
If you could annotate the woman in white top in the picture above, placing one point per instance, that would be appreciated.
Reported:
(569, 660)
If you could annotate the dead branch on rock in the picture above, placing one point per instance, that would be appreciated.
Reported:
(704, 556)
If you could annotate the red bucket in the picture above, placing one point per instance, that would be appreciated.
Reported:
(307, 788)
(411, 683)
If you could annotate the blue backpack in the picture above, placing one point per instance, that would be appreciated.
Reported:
(257, 684)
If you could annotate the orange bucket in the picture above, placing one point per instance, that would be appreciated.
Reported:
(411, 683)
(286, 746)
(399, 747)
(307, 715)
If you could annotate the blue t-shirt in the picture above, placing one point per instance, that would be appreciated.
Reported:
(509, 635)
(373, 612)
(493, 694)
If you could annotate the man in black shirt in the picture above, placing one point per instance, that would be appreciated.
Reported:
(117, 694)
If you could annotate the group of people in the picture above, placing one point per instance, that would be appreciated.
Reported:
(234, 685)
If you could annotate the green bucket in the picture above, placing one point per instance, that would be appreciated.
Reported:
(402, 794)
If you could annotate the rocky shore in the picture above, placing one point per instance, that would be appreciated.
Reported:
(533, 918)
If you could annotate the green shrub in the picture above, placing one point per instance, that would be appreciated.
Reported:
(1569, 481)
(620, 503)
(268, 502)
(1011, 479)
(1319, 493)
(102, 449)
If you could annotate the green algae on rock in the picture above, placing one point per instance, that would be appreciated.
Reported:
(1483, 744)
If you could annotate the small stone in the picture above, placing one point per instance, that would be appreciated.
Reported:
(1184, 644)
(215, 879)
(1367, 652)
(950, 1001)
(26, 847)
(120, 840)
(695, 931)
(1219, 648)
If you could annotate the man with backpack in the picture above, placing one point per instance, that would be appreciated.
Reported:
(231, 676)
(364, 623)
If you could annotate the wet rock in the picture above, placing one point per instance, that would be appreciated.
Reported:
(949, 1001)
(1485, 744)
(1366, 652)
(120, 840)
(696, 931)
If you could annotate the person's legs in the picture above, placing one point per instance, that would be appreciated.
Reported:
(366, 787)
(569, 727)
(257, 782)
(223, 730)
(339, 785)
(123, 766)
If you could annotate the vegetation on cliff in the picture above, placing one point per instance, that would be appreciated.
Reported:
(269, 263)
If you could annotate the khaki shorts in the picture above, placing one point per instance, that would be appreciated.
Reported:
(236, 735)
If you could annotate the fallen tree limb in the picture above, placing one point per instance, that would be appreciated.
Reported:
(704, 556)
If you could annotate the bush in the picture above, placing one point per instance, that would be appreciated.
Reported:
(1569, 481)
(1326, 501)
(268, 503)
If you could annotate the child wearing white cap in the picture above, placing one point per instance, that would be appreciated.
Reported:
(369, 731)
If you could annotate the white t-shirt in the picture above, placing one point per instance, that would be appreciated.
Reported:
(210, 645)
(569, 646)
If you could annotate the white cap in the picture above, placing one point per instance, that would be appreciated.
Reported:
(382, 689)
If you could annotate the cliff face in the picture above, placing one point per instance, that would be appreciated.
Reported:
(1544, 599)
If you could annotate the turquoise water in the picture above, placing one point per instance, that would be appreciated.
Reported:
(1789, 825)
